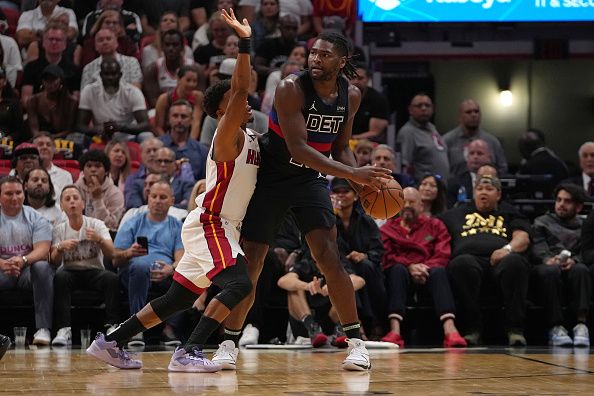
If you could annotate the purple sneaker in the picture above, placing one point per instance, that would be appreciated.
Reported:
(192, 362)
(110, 353)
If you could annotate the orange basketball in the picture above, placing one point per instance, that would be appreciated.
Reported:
(384, 203)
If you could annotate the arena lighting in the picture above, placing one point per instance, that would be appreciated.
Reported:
(506, 98)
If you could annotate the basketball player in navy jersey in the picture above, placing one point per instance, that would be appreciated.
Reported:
(210, 233)
(311, 119)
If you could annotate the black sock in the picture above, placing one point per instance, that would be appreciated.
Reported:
(202, 331)
(352, 330)
(126, 330)
(233, 335)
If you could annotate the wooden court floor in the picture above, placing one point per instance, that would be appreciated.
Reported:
(305, 372)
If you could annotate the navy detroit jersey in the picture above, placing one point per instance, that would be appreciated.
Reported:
(323, 123)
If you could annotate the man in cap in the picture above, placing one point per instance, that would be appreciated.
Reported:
(489, 240)
(25, 158)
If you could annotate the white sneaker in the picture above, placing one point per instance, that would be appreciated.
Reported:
(42, 337)
(250, 336)
(358, 356)
(136, 341)
(226, 355)
(63, 338)
(581, 336)
(302, 341)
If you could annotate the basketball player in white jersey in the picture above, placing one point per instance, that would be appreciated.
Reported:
(210, 233)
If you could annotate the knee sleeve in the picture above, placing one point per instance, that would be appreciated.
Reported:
(177, 299)
(235, 284)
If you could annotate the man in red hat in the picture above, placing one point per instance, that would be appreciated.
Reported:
(25, 158)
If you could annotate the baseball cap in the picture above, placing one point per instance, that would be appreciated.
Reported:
(227, 67)
(25, 148)
(51, 72)
(338, 183)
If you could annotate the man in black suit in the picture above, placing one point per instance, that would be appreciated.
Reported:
(586, 179)
(540, 160)
(461, 187)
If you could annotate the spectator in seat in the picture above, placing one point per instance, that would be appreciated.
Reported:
(558, 274)
(161, 76)
(60, 178)
(103, 200)
(136, 269)
(54, 108)
(423, 148)
(130, 19)
(417, 254)
(11, 113)
(538, 159)
(273, 52)
(154, 50)
(39, 194)
(433, 195)
(178, 138)
(54, 44)
(371, 120)
(586, 178)
(135, 182)
(117, 109)
(150, 179)
(384, 157)
(24, 247)
(11, 58)
(265, 25)
(24, 158)
(489, 240)
(182, 188)
(459, 138)
(109, 19)
(359, 242)
(120, 162)
(306, 289)
(186, 88)
(460, 187)
(275, 77)
(325, 12)
(32, 23)
(362, 151)
(106, 45)
(78, 246)
(207, 33)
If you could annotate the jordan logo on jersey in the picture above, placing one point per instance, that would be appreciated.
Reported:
(313, 106)
(323, 123)
(253, 157)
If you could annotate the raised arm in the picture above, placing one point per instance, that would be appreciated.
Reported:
(229, 140)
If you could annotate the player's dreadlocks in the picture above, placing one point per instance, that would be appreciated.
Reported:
(343, 45)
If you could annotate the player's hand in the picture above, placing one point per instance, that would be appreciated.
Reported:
(243, 30)
(372, 176)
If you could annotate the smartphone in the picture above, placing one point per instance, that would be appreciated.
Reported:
(142, 241)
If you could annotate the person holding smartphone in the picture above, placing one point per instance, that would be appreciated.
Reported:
(140, 244)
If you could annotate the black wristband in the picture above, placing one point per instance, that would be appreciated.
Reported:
(245, 45)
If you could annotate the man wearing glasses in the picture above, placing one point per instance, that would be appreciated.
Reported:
(422, 147)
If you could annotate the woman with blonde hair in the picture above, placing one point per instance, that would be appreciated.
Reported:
(151, 48)
(119, 157)
(187, 82)
(112, 20)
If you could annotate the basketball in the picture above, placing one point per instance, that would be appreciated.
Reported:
(384, 203)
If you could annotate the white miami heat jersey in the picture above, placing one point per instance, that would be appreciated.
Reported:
(230, 185)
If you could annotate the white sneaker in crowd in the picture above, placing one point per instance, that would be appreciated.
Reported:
(250, 335)
(42, 337)
(63, 338)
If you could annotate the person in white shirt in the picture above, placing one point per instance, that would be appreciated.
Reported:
(47, 149)
(39, 193)
(31, 23)
(11, 61)
(116, 107)
(106, 44)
